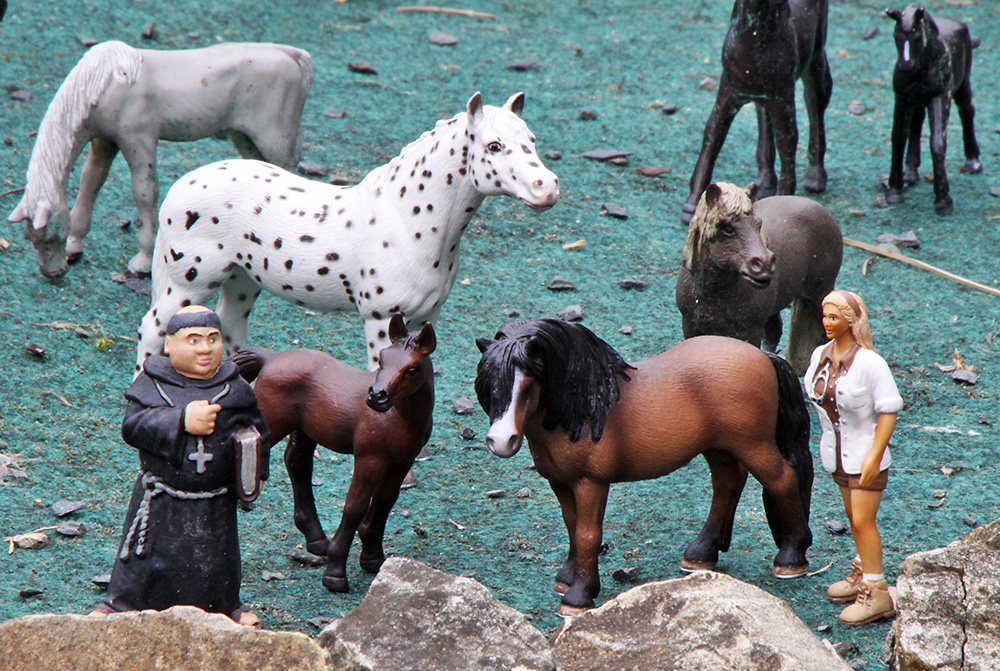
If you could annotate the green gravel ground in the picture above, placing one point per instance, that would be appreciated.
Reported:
(60, 416)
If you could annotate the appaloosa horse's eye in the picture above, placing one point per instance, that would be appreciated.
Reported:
(494, 146)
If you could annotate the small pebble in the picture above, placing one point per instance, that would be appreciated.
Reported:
(139, 286)
(625, 575)
(9, 140)
(362, 67)
(320, 622)
(856, 109)
(102, 580)
(72, 528)
(846, 648)
(995, 191)
(21, 95)
(521, 66)
(985, 421)
(334, 113)
(553, 155)
(939, 493)
(571, 313)
(341, 180)
(150, 31)
(28, 592)
(303, 556)
(82, 332)
(442, 39)
(64, 508)
(835, 526)
(857, 663)
(466, 433)
(268, 576)
(423, 455)
(632, 284)
(410, 481)
(708, 84)
(496, 494)
(870, 33)
(35, 350)
(908, 239)
(606, 154)
(524, 493)
(965, 376)
(652, 171)
(317, 481)
(626, 330)
(124, 224)
(419, 531)
(34, 540)
(969, 521)
(511, 313)
(612, 210)
(467, 573)
(463, 406)
(670, 109)
(559, 283)
(823, 627)
(87, 41)
(587, 115)
(313, 170)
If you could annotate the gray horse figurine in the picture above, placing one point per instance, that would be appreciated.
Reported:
(932, 69)
(745, 260)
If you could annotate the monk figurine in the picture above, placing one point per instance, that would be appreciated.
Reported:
(191, 416)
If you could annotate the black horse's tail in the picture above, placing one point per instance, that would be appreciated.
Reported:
(250, 360)
(792, 437)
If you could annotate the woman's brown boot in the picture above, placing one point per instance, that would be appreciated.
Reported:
(846, 589)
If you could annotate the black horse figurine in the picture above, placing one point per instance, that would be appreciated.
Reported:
(770, 45)
(932, 69)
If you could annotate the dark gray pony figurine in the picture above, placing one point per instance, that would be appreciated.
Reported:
(770, 45)
(932, 69)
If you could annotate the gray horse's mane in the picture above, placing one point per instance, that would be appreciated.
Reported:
(56, 147)
(733, 202)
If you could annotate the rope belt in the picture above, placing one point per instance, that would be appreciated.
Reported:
(155, 486)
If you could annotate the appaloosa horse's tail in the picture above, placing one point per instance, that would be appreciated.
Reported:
(792, 438)
(250, 360)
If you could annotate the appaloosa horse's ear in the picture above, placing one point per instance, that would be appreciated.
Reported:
(475, 108)
(515, 103)
(484, 344)
(751, 190)
(427, 341)
(894, 14)
(397, 328)
(712, 194)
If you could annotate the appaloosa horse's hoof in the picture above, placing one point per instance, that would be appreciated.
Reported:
(690, 565)
(785, 572)
(944, 206)
(335, 584)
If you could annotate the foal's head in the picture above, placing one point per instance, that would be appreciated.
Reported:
(725, 232)
(404, 367)
(915, 30)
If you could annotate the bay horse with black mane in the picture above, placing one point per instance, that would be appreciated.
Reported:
(933, 68)
(383, 418)
(770, 45)
(592, 419)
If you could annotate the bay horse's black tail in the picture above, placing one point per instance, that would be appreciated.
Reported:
(250, 360)
(792, 438)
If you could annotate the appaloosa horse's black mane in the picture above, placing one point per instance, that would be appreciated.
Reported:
(578, 373)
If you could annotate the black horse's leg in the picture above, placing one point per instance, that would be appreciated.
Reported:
(728, 478)
(788, 521)
(967, 114)
(567, 504)
(911, 172)
(767, 180)
(367, 474)
(591, 501)
(772, 333)
(805, 332)
(817, 89)
(901, 118)
(372, 528)
(937, 114)
(716, 129)
(299, 463)
(781, 112)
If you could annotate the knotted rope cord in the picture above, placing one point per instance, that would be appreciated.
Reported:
(154, 486)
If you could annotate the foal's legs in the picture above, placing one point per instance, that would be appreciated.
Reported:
(901, 118)
(716, 129)
(95, 172)
(299, 463)
(781, 113)
(911, 173)
(967, 113)
(591, 500)
(372, 528)
(767, 180)
(937, 112)
(368, 473)
(728, 479)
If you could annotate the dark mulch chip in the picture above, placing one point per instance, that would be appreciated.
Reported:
(588, 114)
(303, 556)
(606, 154)
(150, 31)
(334, 113)
(561, 284)
(632, 284)
(313, 170)
(87, 41)
(625, 575)
(466, 433)
(463, 406)
(553, 155)
(442, 38)
(612, 210)
(870, 33)
(652, 171)
(571, 313)
(670, 109)
(521, 66)
(21, 95)
(362, 67)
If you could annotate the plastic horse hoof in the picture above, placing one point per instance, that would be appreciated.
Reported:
(560, 587)
(335, 584)
(565, 610)
(690, 565)
(972, 167)
(944, 207)
(371, 565)
(74, 257)
(317, 548)
(893, 197)
(786, 572)
(814, 182)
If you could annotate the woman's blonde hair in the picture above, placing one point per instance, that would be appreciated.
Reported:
(855, 312)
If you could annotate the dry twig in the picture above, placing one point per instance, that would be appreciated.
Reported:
(448, 10)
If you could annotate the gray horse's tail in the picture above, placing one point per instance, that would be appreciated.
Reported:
(792, 438)
(251, 360)
(305, 63)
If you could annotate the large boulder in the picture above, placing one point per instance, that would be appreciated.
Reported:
(181, 637)
(703, 622)
(418, 618)
(948, 606)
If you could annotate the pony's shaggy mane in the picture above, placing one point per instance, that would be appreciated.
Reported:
(578, 373)
(733, 202)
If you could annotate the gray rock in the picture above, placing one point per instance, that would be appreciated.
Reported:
(463, 406)
(948, 605)
(421, 619)
(571, 313)
(179, 638)
(702, 622)
(72, 528)
(560, 283)
(908, 239)
(64, 508)
(442, 38)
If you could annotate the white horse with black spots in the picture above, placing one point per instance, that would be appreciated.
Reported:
(389, 244)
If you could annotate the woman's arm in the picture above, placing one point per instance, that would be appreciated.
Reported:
(873, 460)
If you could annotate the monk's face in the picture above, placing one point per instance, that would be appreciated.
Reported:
(195, 352)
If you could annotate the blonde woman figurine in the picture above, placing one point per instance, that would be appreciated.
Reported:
(856, 400)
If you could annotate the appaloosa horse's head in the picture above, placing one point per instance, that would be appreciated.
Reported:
(403, 367)
(725, 234)
(502, 158)
(915, 31)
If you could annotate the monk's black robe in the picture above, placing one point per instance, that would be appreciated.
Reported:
(180, 544)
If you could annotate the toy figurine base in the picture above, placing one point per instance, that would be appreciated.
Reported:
(787, 572)
(690, 565)
(560, 587)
